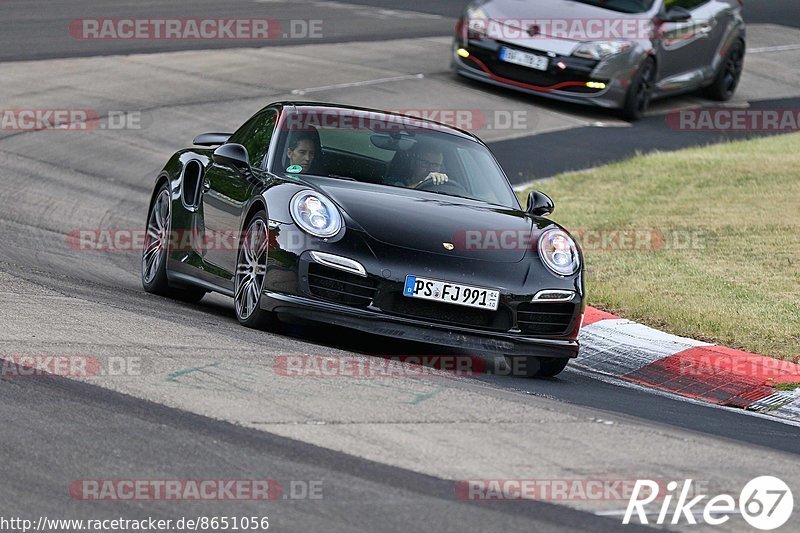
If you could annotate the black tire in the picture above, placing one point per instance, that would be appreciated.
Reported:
(249, 276)
(536, 367)
(727, 79)
(640, 91)
(154, 254)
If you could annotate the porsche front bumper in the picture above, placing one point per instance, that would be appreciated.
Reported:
(405, 328)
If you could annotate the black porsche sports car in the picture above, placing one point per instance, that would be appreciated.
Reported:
(376, 221)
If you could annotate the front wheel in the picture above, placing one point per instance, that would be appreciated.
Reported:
(536, 367)
(727, 79)
(251, 271)
(640, 91)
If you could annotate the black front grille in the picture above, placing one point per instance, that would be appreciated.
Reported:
(445, 313)
(341, 287)
(548, 318)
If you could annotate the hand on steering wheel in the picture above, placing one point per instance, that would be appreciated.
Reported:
(436, 178)
(445, 185)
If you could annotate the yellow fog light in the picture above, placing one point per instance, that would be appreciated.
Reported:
(595, 85)
(462, 52)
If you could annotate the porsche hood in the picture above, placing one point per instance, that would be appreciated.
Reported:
(447, 226)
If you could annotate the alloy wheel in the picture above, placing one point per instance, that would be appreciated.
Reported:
(251, 268)
(157, 237)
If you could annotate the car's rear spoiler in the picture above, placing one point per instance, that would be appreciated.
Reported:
(212, 139)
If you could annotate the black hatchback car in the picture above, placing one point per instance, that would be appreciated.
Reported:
(370, 220)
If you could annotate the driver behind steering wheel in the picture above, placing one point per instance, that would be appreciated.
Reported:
(425, 165)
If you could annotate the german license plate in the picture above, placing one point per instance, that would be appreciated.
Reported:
(449, 292)
(525, 59)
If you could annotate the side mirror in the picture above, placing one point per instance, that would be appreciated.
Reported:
(676, 14)
(539, 204)
(232, 154)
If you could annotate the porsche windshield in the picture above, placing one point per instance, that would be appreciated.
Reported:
(389, 150)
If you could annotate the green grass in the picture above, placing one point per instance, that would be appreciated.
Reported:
(737, 205)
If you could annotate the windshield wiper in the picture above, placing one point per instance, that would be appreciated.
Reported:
(337, 176)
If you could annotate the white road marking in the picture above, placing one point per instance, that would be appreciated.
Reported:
(780, 48)
(357, 83)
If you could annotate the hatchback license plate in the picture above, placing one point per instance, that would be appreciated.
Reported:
(525, 59)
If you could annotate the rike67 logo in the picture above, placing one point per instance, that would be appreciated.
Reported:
(765, 503)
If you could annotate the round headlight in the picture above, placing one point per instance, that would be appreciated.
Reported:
(559, 252)
(315, 214)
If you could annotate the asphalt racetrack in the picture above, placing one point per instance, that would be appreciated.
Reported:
(200, 398)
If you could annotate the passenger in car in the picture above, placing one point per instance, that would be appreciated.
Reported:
(302, 149)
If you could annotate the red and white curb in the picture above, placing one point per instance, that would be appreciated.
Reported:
(634, 352)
